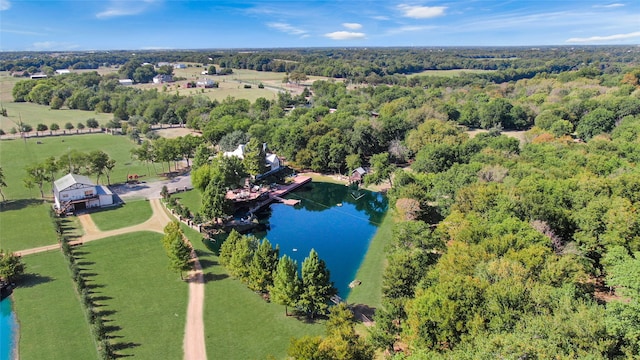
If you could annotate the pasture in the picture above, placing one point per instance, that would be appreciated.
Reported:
(52, 321)
(17, 154)
(26, 224)
(143, 302)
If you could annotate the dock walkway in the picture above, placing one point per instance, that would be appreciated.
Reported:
(276, 195)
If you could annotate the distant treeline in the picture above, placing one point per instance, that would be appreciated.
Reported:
(359, 65)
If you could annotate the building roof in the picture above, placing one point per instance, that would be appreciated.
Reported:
(360, 171)
(72, 179)
(103, 190)
(271, 158)
(238, 152)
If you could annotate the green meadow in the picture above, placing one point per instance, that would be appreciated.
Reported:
(52, 321)
(128, 214)
(143, 302)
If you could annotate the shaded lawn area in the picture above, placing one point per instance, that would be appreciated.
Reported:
(238, 323)
(191, 199)
(144, 304)
(26, 224)
(52, 321)
(130, 213)
(16, 155)
(371, 269)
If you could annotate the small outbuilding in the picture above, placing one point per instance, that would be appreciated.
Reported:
(357, 175)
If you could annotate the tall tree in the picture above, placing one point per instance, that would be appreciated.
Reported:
(254, 157)
(262, 267)
(98, 161)
(37, 175)
(381, 169)
(214, 201)
(317, 287)
(286, 283)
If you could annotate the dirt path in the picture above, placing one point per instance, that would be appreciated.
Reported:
(194, 340)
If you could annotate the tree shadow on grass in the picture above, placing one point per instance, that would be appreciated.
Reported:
(206, 263)
(11, 205)
(87, 274)
(105, 313)
(214, 277)
(101, 298)
(85, 263)
(94, 286)
(32, 279)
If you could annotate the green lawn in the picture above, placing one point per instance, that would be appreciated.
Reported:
(52, 322)
(190, 199)
(370, 272)
(145, 303)
(131, 213)
(34, 114)
(15, 155)
(26, 224)
(238, 323)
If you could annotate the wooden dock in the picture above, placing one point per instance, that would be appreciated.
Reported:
(282, 190)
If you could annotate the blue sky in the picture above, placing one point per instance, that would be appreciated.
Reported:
(187, 24)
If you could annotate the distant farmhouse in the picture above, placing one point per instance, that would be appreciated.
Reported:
(179, 66)
(162, 78)
(63, 71)
(272, 162)
(74, 192)
(206, 83)
(126, 82)
(357, 175)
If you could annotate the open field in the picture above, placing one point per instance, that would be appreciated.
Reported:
(25, 224)
(521, 135)
(451, 73)
(129, 214)
(144, 303)
(370, 271)
(34, 114)
(238, 323)
(52, 322)
(15, 155)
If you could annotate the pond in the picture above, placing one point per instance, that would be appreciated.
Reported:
(336, 221)
(8, 329)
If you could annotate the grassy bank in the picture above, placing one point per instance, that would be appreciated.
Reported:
(144, 303)
(129, 214)
(52, 322)
(238, 323)
(370, 272)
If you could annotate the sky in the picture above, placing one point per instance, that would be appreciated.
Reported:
(59, 25)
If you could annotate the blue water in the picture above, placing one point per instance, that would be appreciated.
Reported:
(340, 234)
(8, 327)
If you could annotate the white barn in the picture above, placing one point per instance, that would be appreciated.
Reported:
(77, 192)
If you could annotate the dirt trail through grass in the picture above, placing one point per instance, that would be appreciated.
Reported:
(194, 339)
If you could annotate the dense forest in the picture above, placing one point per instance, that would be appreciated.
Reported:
(503, 247)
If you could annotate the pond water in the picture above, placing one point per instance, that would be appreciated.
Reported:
(8, 328)
(337, 222)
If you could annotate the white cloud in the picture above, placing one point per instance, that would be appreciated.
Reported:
(381, 17)
(287, 28)
(5, 5)
(609, 5)
(352, 26)
(422, 12)
(345, 35)
(125, 8)
(404, 29)
(605, 38)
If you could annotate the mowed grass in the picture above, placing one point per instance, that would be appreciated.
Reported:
(129, 214)
(371, 269)
(26, 224)
(34, 114)
(52, 321)
(145, 303)
(191, 199)
(16, 155)
(239, 324)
